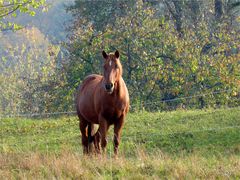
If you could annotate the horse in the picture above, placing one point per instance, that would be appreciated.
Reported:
(103, 100)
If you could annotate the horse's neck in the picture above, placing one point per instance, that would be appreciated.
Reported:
(119, 88)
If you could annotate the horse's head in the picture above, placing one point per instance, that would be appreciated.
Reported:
(112, 70)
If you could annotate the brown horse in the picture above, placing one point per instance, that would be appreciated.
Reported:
(103, 100)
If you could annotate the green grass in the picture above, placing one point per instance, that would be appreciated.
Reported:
(178, 144)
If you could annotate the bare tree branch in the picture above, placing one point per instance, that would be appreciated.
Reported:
(10, 12)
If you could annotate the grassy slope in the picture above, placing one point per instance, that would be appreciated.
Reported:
(188, 144)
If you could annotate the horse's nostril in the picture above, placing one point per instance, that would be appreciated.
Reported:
(107, 86)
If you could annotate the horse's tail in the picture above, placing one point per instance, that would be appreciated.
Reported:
(89, 130)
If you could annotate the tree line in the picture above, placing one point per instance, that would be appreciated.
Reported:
(169, 49)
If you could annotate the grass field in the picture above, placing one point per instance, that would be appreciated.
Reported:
(193, 144)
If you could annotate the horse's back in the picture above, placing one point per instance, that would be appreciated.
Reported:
(90, 81)
(85, 97)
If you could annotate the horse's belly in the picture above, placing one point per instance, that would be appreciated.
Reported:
(91, 118)
(86, 99)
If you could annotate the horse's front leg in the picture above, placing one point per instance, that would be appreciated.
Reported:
(118, 125)
(103, 128)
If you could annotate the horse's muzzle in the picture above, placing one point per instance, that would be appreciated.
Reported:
(109, 87)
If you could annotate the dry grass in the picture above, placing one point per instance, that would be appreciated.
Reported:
(70, 165)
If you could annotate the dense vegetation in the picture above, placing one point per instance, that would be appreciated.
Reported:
(179, 144)
(169, 50)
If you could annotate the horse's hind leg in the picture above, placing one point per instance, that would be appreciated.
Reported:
(83, 128)
(90, 137)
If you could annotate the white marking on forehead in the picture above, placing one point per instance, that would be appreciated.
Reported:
(110, 63)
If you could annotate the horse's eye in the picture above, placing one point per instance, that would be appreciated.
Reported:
(116, 66)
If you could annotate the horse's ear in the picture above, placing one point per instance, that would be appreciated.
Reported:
(104, 54)
(117, 54)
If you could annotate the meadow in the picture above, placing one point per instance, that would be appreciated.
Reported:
(182, 144)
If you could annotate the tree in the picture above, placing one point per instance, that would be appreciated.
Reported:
(218, 9)
(13, 8)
